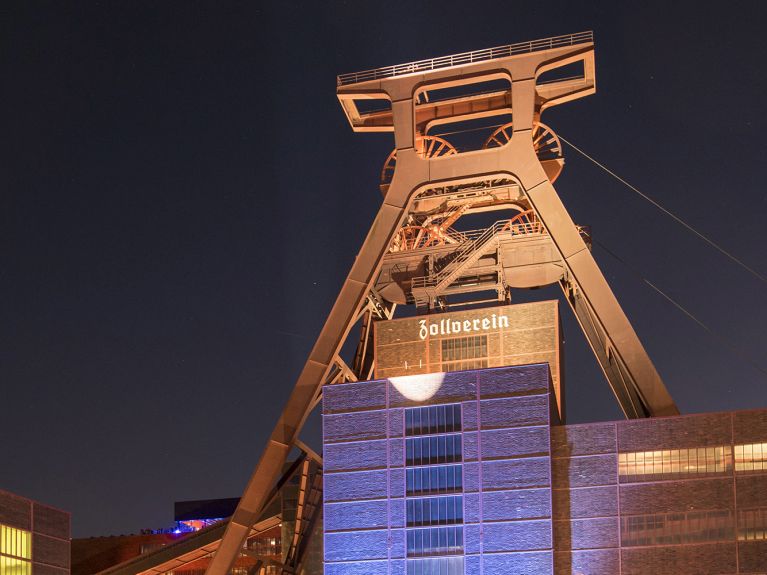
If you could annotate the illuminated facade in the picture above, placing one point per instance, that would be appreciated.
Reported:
(471, 472)
(34, 538)
(449, 484)
(520, 334)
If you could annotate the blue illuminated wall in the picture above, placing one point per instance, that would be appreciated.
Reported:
(462, 488)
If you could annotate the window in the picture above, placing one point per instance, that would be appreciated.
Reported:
(436, 444)
(13, 566)
(693, 461)
(751, 457)
(435, 566)
(434, 479)
(435, 511)
(15, 542)
(464, 353)
(265, 545)
(15, 551)
(676, 528)
(434, 541)
(752, 524)
(472, 347)
(433, 450)
(432, 419)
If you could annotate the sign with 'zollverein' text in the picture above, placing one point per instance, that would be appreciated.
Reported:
(499, 336)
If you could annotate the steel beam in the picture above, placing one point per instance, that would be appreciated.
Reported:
(627, 367)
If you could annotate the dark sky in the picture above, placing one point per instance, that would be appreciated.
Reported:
(182, 198)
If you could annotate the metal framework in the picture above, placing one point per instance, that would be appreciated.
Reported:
(414, 255)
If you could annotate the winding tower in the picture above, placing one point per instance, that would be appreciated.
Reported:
(418, 253)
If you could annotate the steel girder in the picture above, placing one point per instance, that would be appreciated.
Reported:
(629, 371)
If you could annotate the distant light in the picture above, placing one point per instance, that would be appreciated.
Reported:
(177, 531)
(418, 387)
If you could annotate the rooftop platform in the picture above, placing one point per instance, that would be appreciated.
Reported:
(466, 58)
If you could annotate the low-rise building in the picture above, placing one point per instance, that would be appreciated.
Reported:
(34, 538)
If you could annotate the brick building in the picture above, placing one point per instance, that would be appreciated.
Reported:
(472, 472)
(34, 538)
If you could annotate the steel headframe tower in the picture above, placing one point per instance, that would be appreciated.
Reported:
(413, 255)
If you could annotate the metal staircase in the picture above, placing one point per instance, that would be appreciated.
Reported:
(307, 512)
(425, 289)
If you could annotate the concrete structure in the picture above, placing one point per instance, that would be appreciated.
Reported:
(34, 538)
(670, 496)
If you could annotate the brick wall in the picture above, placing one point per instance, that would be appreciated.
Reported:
(50, 532)
(590, 498)
(506, 471)
(541, 499)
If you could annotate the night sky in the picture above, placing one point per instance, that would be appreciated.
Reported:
(182, 198)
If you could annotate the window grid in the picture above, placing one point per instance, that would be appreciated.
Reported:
(751, 457)
(752, 524)
(693, 461)
(433, 419)
(435, 511)
(435, 566)
(472, 347)
(15, 566)
(15, 542)
(465, 365)
(435, 541)
(433, 450)
(265, 545)
(434, 480)
(456, 352)
(433, 442)
(676, 528)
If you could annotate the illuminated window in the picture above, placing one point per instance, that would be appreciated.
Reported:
(464, 353)
(669, 462)
(434, 479)
(14, 566)
(15, 551)
(752, 524)
(677, 528)
(751, 457)
(432, 419)
(435, 511)
(265, 545)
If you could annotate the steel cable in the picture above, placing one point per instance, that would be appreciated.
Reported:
(676, 218)
(729, 345)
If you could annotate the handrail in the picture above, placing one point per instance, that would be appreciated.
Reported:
(463, 255)
(475, 239)
(461, 237)
(465, 58)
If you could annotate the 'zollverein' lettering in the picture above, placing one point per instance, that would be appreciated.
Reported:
(455, 327)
